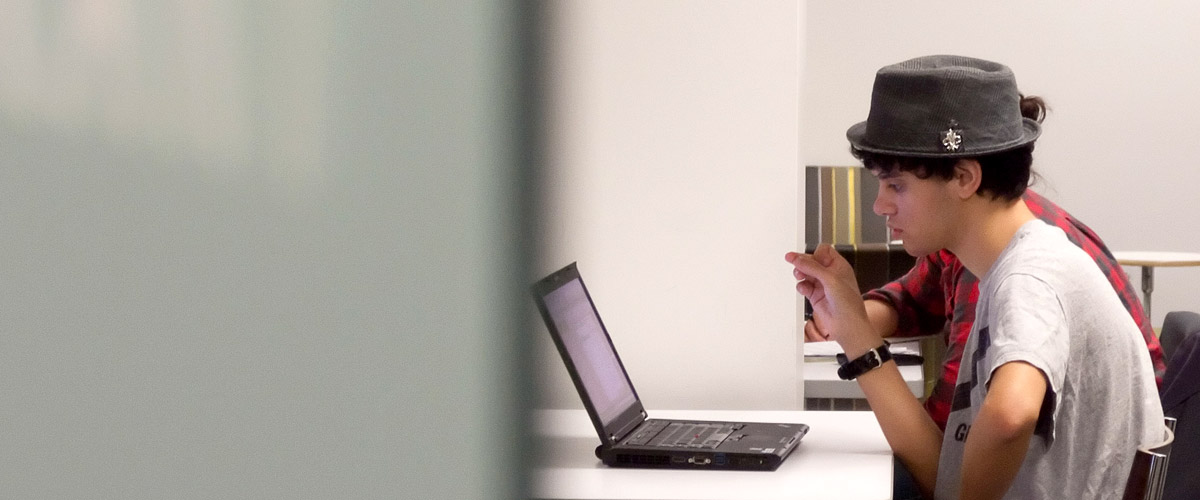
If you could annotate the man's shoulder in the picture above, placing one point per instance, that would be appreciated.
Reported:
(1044, 252)
(1039, 241)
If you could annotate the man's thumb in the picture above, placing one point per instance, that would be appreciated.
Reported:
(825, 254)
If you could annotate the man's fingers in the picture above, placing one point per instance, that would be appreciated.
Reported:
(812, 333)
(807, 267)
(811, 291)
(825, 254)
(800, 276)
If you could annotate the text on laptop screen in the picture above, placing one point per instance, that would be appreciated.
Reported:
(589, 348)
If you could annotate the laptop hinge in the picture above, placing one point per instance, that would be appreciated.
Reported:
(628, 428)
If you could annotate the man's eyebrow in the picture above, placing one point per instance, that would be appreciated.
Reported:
(886, 175)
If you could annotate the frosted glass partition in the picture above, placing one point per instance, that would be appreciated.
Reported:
(260, 249)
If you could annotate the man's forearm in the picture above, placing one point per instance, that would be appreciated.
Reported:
(882, 316)
(909, 430)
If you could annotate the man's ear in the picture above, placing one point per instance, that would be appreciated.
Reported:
(967, 177)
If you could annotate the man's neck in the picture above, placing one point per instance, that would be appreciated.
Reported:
(990, 226)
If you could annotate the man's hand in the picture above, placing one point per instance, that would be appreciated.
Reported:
(828, 281)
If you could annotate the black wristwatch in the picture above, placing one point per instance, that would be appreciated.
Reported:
(868, 361)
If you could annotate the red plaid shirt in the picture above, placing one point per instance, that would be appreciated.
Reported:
(938, 296)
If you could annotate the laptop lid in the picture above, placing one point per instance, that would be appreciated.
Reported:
(587, 350)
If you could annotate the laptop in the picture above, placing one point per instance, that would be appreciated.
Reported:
(628, 438)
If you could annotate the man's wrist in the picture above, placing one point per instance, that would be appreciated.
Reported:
(871, 359)
(855, 347)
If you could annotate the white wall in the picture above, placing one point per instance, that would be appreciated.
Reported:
(1119, 149)
(258, 250)
(673, 178)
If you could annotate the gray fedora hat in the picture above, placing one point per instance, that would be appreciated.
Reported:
(944, 106)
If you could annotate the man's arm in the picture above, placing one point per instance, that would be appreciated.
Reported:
(882, 316)
(999, 439)
(919, 297)
(911, 433)
(827, 281)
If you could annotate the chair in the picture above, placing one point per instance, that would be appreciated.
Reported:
(1181, 400)
(1177, 325)
(1149, 469)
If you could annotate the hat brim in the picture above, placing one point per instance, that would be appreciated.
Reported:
(1030, 130)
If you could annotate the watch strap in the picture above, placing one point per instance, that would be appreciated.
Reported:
(870, 360)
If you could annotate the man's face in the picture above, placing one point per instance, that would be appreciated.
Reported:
(919, 211)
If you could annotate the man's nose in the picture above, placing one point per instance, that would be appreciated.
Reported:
(882, 206)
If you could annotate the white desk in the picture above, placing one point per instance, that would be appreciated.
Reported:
(822, 383)
(843, 456)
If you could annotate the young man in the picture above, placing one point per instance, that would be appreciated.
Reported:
(938, 296)
(1056, 390)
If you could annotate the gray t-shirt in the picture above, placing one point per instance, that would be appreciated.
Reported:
(1044, 302)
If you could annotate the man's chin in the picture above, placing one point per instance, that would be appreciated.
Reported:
(916, 250)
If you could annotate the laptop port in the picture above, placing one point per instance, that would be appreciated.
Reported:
(720, 460)
(698, 460)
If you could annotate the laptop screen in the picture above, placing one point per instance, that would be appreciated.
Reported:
(590, 349)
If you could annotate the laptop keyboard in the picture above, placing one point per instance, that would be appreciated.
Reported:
(669, 434)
